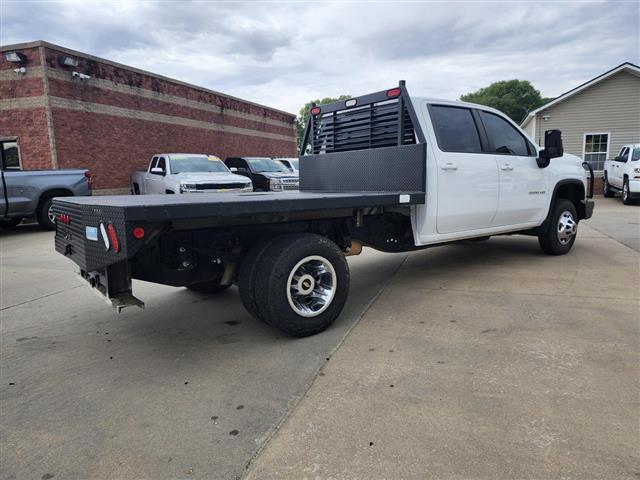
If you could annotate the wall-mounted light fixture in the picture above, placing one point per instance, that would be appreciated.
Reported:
(546, 117)
(67, 61)
(81, 76)
(15, 57)
(20, 71)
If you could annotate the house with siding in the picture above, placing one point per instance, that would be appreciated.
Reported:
(596, 118)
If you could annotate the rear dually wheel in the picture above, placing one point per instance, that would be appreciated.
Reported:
(302, 285)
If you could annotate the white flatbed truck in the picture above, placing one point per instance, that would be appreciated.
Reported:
(384, 170)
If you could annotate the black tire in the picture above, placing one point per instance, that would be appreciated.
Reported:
(554, 241)
(607, 191)
(212, 286)
(10, 222)
(277, 267)
(249, 267)
(626, 197)
(43, 214)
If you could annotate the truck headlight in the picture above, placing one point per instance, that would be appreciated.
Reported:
(275, 184)
(248, 188)
(187, 187)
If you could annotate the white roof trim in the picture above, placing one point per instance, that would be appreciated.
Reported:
(625, 66)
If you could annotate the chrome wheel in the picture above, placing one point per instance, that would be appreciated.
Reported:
(567, 227)
(625, 191)
(311, 286)
(51, 215)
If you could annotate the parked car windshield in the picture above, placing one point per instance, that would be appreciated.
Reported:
(636, 154)
(196, 163)
(266, 165)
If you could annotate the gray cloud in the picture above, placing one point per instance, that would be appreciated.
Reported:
(283, 54)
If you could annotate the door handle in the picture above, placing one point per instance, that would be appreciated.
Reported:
(449, 166)
(506, 167)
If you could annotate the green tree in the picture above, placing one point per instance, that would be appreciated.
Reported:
(515, 98)
(303, 118)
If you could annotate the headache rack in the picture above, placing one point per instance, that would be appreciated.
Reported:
(367, 143)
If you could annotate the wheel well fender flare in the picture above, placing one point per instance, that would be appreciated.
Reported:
(54, 192)
(570, 189)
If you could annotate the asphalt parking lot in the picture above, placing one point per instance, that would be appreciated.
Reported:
(467, 361)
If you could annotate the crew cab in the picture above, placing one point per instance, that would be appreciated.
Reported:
(30, 193)
(385, 170)
(187, 173)
(265, 173)
(622, 174)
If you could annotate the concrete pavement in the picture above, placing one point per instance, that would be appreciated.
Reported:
(620, 222)
(488, 360)
(481, 361)
(191, 387)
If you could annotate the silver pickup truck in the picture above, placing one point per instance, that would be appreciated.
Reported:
(29, 193)
(187, 173)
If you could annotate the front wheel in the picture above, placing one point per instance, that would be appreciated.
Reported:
(562, 229)
(302, 284)
(607, 191)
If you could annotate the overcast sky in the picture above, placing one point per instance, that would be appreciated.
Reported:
(283, 54)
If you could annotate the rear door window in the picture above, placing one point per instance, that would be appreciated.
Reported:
(504, 138)
(455, 129)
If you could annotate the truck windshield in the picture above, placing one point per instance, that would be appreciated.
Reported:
(266, 165)
(199, 163)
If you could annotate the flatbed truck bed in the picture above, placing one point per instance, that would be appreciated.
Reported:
(152, 208)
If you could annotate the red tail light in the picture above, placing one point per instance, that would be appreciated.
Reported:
(394, 92)
(89, 176)
(315, 110)
(113, 237)
(138, 233)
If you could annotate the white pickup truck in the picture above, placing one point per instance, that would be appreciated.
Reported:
(622, 174)
(384, 170)
(187, 173)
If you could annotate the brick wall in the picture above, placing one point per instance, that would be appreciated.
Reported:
(114, 147)
(113, 122)
(29, 126)
(22, 112)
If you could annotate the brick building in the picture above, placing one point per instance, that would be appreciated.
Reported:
(61, 108)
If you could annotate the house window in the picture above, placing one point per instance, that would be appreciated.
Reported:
(596, 149)
(10, 155)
